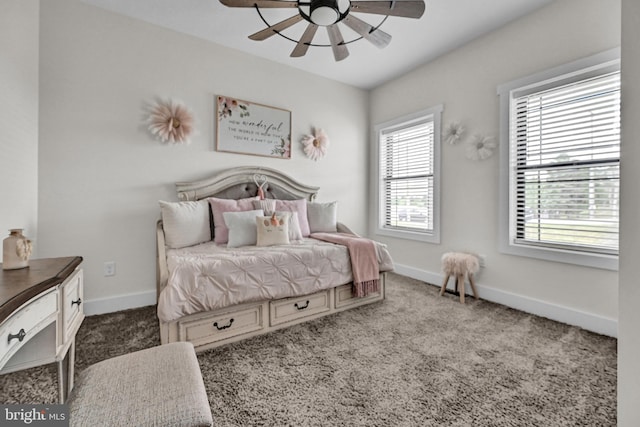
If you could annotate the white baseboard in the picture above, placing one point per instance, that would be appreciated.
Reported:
(119, 302)
(589, 321)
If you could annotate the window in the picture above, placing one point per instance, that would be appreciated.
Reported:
(563, 165)
(408, 176)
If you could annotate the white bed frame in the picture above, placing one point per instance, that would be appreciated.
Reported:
(218, 327)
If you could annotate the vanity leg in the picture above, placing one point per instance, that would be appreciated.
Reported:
(62, 381)
(71, 366)
(66, 372)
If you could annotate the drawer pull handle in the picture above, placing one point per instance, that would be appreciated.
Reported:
(78, 301)
(20, 335)
(220, 328)
(301, 307)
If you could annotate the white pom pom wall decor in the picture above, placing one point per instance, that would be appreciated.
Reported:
(171, 121)
(453, 133)
(477, 148)
(480, 147)
(315, 146)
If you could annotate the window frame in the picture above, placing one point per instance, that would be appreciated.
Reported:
(432, 236)
(585, 68)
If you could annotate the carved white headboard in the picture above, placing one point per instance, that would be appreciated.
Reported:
(237, 183)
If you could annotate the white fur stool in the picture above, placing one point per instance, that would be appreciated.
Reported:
(459, 265)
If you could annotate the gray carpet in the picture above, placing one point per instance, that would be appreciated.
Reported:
(416, 359)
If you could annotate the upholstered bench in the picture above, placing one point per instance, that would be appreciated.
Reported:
(158, 386)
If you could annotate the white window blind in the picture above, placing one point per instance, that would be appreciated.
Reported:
(407, 176)
(565, 153)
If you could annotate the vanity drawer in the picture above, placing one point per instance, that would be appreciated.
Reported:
(25, 323)
(214, 327)
(289, 309)
(344, 298)
(72, 305)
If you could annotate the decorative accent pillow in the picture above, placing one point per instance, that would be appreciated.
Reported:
(299, 206)
(267, 205)
(218, 207)
(323, 217)
(185, 223)
(294, 225)
(273, 230)
(242, 227)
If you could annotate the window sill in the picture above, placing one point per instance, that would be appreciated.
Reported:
(605, 262)
(409, 235)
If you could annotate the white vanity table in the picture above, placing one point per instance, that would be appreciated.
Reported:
(41, 311)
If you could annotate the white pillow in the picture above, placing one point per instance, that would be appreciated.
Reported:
(273, 230)
(218, 206)
(323, 217)
(294, 225)
(242, 227)
(185, 223)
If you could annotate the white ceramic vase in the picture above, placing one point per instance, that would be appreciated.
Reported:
(16, 250)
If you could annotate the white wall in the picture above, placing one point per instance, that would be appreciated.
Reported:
(629, 339)
(465, 81)
(19, 23)
(101, 174)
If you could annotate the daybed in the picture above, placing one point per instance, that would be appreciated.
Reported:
(211, 294)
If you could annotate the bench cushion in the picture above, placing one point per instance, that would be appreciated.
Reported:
(159, 386)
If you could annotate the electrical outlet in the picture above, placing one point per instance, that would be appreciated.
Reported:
(109, 268)
(482, 259)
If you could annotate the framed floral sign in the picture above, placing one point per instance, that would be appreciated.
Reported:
(248, 128)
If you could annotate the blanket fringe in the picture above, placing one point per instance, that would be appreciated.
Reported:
(362, 289)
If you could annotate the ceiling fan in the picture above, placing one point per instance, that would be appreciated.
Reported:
(328, 13)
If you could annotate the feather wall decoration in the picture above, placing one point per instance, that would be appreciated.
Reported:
(480, 147)
(315, 146)
(171, 121)
(453, 133)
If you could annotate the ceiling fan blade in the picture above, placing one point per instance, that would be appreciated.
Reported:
(303, 44)
(340, 50)
(403, 8)
(377, 37)
(282, 25)
(260, 3)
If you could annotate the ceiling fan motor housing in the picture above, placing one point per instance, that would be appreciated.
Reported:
(325, 12)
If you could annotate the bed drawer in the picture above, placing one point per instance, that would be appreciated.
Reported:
(289, 309)
(345, 299)
(214, 327)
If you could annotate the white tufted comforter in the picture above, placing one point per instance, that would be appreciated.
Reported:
(207, 277)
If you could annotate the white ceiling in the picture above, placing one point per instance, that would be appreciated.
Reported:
(445, 25)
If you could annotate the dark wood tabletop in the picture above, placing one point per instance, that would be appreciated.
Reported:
(19, 286)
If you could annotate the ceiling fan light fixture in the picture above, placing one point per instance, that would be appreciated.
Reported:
(324, 12)
(328, 13)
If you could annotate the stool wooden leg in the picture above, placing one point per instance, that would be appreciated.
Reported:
(473, 286)
(460, 284)
(444, 285)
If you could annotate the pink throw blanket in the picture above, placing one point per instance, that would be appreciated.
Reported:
(364, 261)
